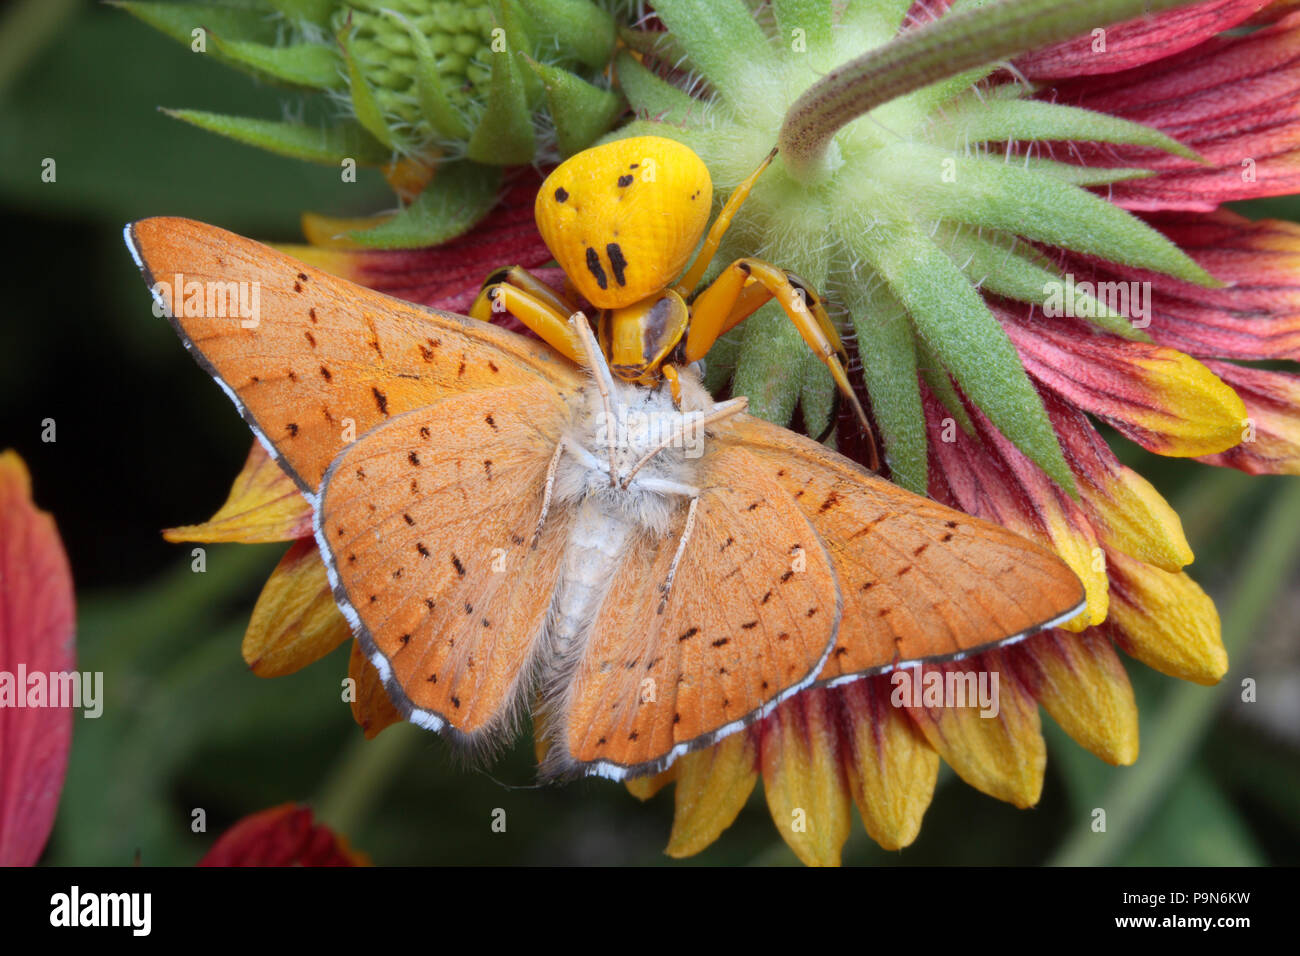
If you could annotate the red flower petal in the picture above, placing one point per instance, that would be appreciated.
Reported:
(1138, 41)
(1270, 442)
(1160, 398)
(1232, 99)
(1256, 317)
(281, 836)
(447, 276)
(990, 478)
(36, 634)
(924, 11)
(1125, 512)
(1081, 682)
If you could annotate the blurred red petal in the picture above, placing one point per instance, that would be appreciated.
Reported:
(1138, 41)
(36, 635)
(281, 836)
(1258, 316)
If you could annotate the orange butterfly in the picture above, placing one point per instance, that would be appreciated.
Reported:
(508, 524)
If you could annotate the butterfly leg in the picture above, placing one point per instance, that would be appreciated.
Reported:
(746, 285)
(533, 303)
(666, 588)
(549, 489)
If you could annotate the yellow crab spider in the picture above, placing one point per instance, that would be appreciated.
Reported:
(621, 220)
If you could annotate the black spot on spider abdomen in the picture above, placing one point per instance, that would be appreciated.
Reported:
(616, 262)
(596, 269)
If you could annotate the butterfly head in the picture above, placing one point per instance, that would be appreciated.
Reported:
(639, 453)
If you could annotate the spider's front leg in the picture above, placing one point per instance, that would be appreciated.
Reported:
(517, 291)
(741, 289)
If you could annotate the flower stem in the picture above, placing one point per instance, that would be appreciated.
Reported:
(1188, 709)
(362, 774)
(944, 48)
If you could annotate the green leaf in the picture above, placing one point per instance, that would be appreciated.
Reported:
(770, 345)
(1023, 202)
(1005, 120)
(652, 96)
(813, 17)
(310, 11)
(1196, 826)
(886, 348)
(435, 104)
(930, 98)
(720, 364)
(817, 393)
(329, 145)
(581, 112)
(180, 20)
(312, 65)
(924, 56)
(364, 105)
(504, 135)
(1262, 767)
(1083, 175)
(881, 18)
(460, 195)
(958, 326)
(992, 261)
(724, 42)
(659, 44)
(576, 26)
(940, 383)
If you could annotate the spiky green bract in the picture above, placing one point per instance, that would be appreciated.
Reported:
(495, 82)
(917, 211)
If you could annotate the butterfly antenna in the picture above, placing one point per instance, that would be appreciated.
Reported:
(604, 380)
(512, 786)
(732, 406)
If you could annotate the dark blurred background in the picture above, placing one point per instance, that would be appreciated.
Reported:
(146, 441)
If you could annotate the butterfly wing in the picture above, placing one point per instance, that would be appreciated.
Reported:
(426, 524)
(751, 615)
(322, 360)
(919, 580)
